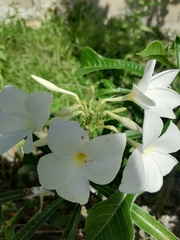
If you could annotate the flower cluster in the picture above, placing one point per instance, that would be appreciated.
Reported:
(77, 158)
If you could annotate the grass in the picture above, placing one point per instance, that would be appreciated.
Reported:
(45, 52)
(53, 50)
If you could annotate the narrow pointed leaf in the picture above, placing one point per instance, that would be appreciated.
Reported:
(1, 216)
(9, 230)
(132, 134)
(155, 50)
(108, 89)
(15, 218)
(59, 219)
(102, 93)
(177, 50)
(72, 226)
(11, 196)
(110, 219)
(35, 223)
(91, 61)
(109, 86)
(150, 225)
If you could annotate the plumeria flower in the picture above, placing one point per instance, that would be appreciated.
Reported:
(20, 115)
(75, 160)
(153, 93)
(150, 161)
(156, 88)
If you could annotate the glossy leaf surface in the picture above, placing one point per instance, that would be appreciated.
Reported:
(110, 219)
(91, 61)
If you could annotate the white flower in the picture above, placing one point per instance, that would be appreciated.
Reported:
(75, 159)
(157, 89)
(150, 161)
(20, 115)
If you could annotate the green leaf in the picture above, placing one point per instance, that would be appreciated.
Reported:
(92, 61)
(59, 219)
(155, 50)
(108, 89)
(26, 168)
(106, 191)
(35, 223)
(1, 216)
(15, 218)
(9, 232)
(110, 219)
(71, 228)
(2, 56)
(10, 196)
(30, 159)
(108, 84)
(150, 225)
(101, 93)
(132, 134)
(177, 50)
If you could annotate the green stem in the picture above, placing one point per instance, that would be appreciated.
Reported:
(133, 143)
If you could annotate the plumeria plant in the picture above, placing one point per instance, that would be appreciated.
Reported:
(94, 154)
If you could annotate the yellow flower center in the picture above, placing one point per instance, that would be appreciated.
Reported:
(29, 124)
(80, 158)
(147, 150)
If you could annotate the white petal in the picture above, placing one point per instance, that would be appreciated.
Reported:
(77, 190)
(165, 161)
(163, 79)
(170, 141)
(55, 172)
(149, 69)
(166, 95)
(28, 145)
(12, 102)
(7, 141)
(9, 125)
(38, 107)
(52, 86)
(155, 180)
(135, 175)
(65, 137)
(152, 127)
(140, 98)
(104, 157)
(162, 110)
